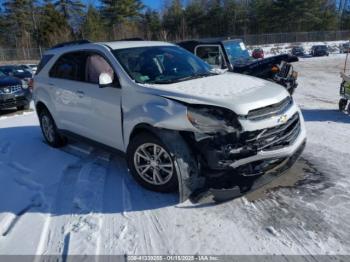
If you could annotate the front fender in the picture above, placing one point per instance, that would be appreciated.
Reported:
(155, 111)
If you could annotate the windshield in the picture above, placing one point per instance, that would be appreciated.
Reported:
(2, 74)
(236, 52)
(6, 70)
(161, 64)
(321, 47)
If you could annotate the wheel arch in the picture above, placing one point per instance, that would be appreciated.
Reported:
(142, 128)
(40, 106)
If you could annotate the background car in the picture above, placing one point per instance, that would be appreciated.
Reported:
(298, 51)
(16, 71)
(258, 53)
(319, 50)
(14, 92)
(344, 48)
(233, 55)
(29, 67)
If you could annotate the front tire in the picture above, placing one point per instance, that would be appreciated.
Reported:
(49, 129)
(151, 163)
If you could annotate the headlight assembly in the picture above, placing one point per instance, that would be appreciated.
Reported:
(210, 119)
(24, 84)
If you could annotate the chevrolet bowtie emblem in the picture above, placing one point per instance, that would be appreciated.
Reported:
(283, 119)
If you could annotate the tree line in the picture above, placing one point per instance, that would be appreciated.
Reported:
(43, 23)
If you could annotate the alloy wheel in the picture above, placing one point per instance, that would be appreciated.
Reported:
(153, 164)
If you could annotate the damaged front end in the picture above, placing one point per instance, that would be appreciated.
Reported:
(278, 69)
(234, 161)
(286, 76)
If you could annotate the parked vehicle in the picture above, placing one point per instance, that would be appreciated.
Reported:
(319, 50)
(344, 48)
(16, 71)
(298, 51)
(258, 53)
(14, 93)
(29, 67)
(182, 125)
(234, 56)
(345, 89)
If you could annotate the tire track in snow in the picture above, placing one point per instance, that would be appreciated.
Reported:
(21, 177)
(86, 229)
(117, 231)
(75, 211)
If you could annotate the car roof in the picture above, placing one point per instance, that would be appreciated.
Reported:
(133, 44)
(112, 45)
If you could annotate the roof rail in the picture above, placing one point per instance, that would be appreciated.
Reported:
(132, 39)
(79, 42)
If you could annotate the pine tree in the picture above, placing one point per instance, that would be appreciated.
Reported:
(195, 17)
(92, 27)
(174, 20)
(53, 27)
(17, 22)
(151, 24)
(117, 11)
(119, 14)
(72, 11)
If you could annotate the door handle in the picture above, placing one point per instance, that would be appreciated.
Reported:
(80, 93)
(51, 84)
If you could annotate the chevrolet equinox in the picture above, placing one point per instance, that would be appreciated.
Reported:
(182, 125)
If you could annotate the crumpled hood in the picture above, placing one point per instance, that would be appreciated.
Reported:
(237, 92)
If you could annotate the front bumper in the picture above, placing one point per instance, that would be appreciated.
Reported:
(15, 100)
(245, 185)
(275, 154)
(244, 168)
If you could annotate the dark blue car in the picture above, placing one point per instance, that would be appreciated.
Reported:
(14, 91)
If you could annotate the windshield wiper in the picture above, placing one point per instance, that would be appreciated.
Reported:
(176, 80)
(195, 76)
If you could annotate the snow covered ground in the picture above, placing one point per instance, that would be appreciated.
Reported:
(81, 200)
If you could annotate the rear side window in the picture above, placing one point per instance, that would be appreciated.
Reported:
(70, 66)
(44, 60)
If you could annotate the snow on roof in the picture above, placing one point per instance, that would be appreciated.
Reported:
(112, 45)
(132, 44)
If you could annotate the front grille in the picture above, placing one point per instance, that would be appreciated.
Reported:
(272, 110)
(11, 89)
(275, 137)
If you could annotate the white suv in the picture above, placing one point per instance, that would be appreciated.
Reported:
(182, 125)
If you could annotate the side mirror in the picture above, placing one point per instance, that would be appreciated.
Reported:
(105, 80)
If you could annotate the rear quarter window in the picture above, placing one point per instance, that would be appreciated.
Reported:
(44, 60)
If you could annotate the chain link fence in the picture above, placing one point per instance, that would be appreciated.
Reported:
(34, 54)
(20, 54)
(295, 37)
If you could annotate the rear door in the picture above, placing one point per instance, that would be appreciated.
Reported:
(67, 79)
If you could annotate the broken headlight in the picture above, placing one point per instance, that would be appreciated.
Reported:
(210, 119)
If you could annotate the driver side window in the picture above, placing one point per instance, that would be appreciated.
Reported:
(211, 54)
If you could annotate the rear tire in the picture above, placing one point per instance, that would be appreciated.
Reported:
(151, 163)
(49, 129)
